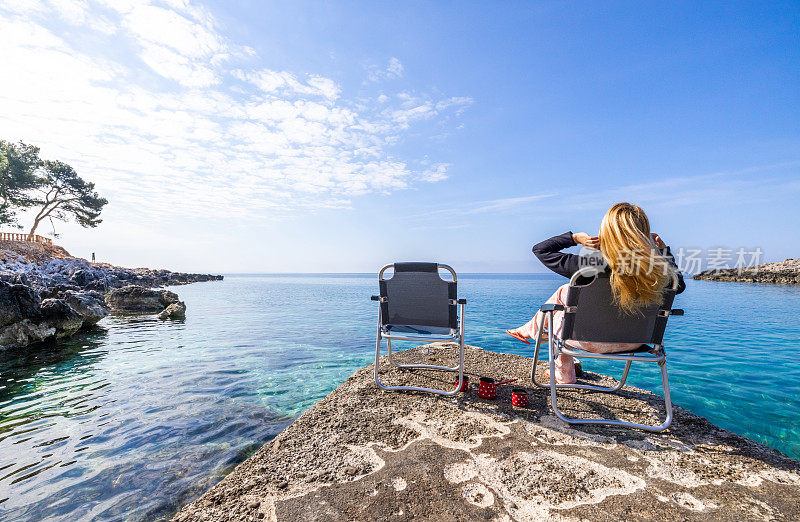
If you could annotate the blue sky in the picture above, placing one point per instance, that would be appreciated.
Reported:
(337, 136)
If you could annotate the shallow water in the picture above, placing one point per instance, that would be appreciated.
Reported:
(133, 420)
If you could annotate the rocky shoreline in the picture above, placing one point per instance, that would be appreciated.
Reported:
(366, 454)
(46, 294)
(785, 272)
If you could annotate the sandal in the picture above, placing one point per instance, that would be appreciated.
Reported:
(517, 336)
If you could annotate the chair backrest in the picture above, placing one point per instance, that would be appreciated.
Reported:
(592, 315)
(417, 295)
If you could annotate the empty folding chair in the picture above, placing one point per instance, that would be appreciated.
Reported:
(591, 315)
(416, 304)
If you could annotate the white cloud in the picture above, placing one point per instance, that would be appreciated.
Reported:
(436, 173)
(285, 84)
(505, 204)
(393, 70)
(415, 108)
(171, 118)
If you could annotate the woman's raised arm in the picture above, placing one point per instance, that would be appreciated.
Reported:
(549, 253)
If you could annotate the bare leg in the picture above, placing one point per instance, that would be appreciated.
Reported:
(565, 364)
(530, 329)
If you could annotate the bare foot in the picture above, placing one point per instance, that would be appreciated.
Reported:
(547, 374)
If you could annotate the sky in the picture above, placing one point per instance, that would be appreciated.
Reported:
(262, 136)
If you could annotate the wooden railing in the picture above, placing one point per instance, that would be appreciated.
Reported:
(11, 236)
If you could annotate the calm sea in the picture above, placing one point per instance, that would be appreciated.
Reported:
(135, 420)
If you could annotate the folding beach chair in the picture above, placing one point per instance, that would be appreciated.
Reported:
(591, 315)
(416, 304)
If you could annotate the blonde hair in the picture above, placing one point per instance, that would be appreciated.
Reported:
(639, 272)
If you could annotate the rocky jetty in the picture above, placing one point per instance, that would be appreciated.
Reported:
(785, 272)
(366, 454)
(79, 274)
(46, 294)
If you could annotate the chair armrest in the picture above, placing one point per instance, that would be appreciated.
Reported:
(676, 311)
(551, 307)
(375, 298)
(462, 301)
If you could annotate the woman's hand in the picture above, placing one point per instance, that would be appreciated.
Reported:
(658, 241)
(582, 238)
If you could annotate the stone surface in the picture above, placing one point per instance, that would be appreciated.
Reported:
(27, 319)
(366, 454)
(783, 272)
(18, 302)
(60, 315)
(89, 305)
(138, 299)
(174, 311)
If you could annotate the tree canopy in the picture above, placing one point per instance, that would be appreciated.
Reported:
(18, 177)
(64, 195)
(52, 187)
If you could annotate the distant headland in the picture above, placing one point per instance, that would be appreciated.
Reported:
(785, 272)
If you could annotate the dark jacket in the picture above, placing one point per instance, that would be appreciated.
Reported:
(550, 254)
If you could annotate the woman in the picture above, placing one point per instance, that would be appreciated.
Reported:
(640, 267)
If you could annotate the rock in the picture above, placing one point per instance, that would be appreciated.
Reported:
(45, 292)
(25, 332)
(83, 277)
(89, 305)
(138, 299)
(25, 319)
(174, 311)
(43, 271)
(57, 291)
(100, 285)
(60, 315)
(18, 302)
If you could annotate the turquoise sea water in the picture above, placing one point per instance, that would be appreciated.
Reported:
(134, 420)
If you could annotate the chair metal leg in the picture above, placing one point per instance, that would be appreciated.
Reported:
(554, 348)
(416, 366)
(459, 368)
(550, 344)
(613, 422)
(536, 346)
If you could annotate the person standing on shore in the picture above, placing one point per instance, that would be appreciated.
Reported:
(639, 263)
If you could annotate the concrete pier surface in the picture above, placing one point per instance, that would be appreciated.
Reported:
(366, 454)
